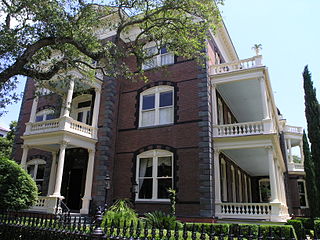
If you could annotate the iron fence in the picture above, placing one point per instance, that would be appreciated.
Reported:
(14, 226)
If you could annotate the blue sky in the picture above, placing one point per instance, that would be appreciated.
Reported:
(289, 33)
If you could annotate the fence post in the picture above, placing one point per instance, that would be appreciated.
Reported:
(98, 232)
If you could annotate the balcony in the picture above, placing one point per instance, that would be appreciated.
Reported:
(61, 124)
(293, 129)
(243, 129)
(248, 63)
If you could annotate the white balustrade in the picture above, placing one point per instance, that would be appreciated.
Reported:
(236, 66)
(293, 129)
(295, 167)
(240, 129)
(245, 210)
(61, 124)
(45, 204)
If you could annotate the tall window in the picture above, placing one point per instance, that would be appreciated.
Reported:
(81, 108)
(265, 190)
(223, 174)
(161, 59)
(302, 193)
(156, 106)
(36, 169)
(154, 175)
(44, 115)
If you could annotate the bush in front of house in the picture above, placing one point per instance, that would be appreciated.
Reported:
(119, 213)
(17, 189)
(218, 228)
(161, 220)
(277, 231)
(317, 228)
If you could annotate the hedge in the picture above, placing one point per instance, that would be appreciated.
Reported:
(317, 228)
(298, 227)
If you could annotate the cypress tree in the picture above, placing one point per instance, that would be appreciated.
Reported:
(310, 178)
(313, 122)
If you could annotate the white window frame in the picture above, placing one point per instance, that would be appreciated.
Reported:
(36, 163)
(157, 59)
(44, 113)
(154, 154)
(224, 189)
(156, 91)
(233, 184)
(75, 110)
(305, 193)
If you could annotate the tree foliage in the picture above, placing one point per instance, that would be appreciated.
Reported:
(40, 39)
(313, 122)
(310, 178)
(6, 143)
(18, 190)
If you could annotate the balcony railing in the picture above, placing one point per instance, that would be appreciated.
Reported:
(295, 167)
(245, 210)
(236, 66)
(243, 129)
(46, 205)
(293, 129)
(61, 124)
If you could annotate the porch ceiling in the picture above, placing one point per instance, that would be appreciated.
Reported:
(252, 160)
(244, 99)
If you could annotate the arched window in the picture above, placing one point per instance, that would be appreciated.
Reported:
(81, 108)
(154, 175)
(36, 169)
(156, 106)
(45, 114)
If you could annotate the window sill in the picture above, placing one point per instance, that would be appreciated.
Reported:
(156, 126)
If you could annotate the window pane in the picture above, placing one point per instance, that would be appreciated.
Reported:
(166, 115)
(40, 171)
(84, 104)
(148, 102)
(145, 169)
(39, 118)
(300, 187)
(163, 50)
(148, 118)
(163, 186)
(80, 116)
(145, 188)
(88, 117)
(151, 51)
(167, 59)
(303, 200)
(165, 99)
(30, 170)
(50, 116)
(164, 167)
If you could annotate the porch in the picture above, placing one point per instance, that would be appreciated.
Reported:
(250, 181)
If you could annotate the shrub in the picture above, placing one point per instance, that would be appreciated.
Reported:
(119, 213)
(244, 230)
(18, 190)
(298, 227)
(277, 231)
(317, 228)
(308, 223)
(218, 228)
(159, 219)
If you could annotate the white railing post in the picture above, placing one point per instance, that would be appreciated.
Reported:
(67, 107)
(53, 172)
(24, 156)
(59, 175)
(95, 115)
(258, 60)
(272, 176)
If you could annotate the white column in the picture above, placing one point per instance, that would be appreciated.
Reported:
(272, 176)
(68, 101)
(301, 152)
(59, 175)
(53, 172)
(24, 156)
(96, 107)
(214, 110)
(88, 187)
(34, 109)
(290, 151)
(265, 107)
(217, 176)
